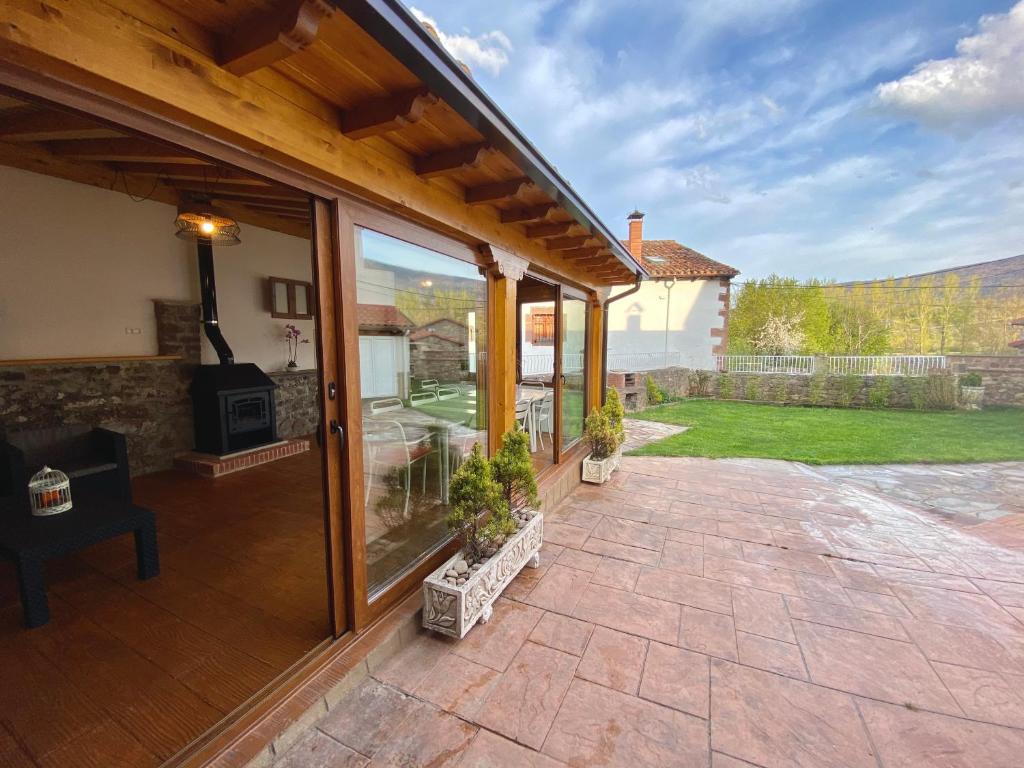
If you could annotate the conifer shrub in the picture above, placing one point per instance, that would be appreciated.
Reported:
(512, 469)
(616, 413)
(479, 515)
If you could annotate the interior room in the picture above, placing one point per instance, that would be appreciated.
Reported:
(158, 314)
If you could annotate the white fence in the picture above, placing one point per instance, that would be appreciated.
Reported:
(544, 365)
(858, 365)
(643, 361)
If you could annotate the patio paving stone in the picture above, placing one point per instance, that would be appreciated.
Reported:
(630, 532)
(458, 685)
(432, 737)
(318, 750)
(563, 633)
(685, 558)
(682, 588)
(489, 750)
(495, 643)
(771, 655)
(762, 613)
(365, 719)
(565, 535)
(995, 697)
(708, 632)
(613, 659)
(559, 590)
(581, 561)
(845, 617)
(622, 551)
(677, 678)
(627, 612)
(616, 573)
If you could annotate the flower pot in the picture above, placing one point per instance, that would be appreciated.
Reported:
(971, 398)
(598, 470)
(453, 609)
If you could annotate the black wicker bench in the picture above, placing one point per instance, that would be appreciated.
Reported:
(30, 541)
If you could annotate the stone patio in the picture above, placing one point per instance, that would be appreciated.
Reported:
(725, 614)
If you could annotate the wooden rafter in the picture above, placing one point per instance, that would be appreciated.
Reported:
(497, 191)
(47, 125)
(567, 243)
(387, 114)
(597, 261)
(274, 36)
(205, 174)
(554, 229)
(530, 213)
(125, 149)
(581, 253)
(452, 160)
(209, 190)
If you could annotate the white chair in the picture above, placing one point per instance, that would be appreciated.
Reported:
(533, 385)
(543, 419)
(386, 405)
(385, 445)
(428, 384)
(524, 418)
(447, 393)
(419, 398)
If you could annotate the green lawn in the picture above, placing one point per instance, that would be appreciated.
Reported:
(836, 435)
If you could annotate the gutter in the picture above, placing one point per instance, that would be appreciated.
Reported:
(392, 25)
(604, 331)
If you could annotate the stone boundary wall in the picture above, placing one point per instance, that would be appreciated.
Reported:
(1001, 375)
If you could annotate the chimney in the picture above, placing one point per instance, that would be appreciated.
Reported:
(636, 234)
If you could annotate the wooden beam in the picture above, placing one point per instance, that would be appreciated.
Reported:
(530, 213)
(554, 229)
(497, 191)
(210, 174)
(567, 243)
(272, 193)
(452, 160)
(387, 114)
(126, 149)
(274, 36)
(49, 125)
(590, 264)
(581, 253)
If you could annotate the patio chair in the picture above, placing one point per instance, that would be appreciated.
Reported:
(385, 446)
(543, 420)
(447, 393)
(428, 384)
(533, 385)
(419, 398)
(386, 405)
(524, 419)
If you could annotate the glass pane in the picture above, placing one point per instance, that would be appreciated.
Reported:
(535, 394)
(281, 298)
(422, 363)
(301, 300)
(574, 339)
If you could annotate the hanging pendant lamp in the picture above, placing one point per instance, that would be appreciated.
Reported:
(198, 220)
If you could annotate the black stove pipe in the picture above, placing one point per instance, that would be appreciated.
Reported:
(208, 290)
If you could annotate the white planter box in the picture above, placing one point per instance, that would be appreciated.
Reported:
(972, 398)
(599, 471)
(453, 610)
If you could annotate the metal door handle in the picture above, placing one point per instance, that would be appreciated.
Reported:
(336, 429)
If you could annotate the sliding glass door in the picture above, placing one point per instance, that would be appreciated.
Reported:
(574, 358)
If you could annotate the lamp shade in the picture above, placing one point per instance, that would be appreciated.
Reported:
(200, 220)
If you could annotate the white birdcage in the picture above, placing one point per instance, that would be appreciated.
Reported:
(50, 492)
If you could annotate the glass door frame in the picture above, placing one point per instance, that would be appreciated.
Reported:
(559, 380)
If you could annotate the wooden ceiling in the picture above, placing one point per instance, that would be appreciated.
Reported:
(73, 147)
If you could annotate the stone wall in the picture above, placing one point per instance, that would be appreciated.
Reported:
(1001, 375)
(296, 401)
(145, 399)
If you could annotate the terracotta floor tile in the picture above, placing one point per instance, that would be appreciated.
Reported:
(923, 578)
(573, 515)
(489, 750)
(677, 678)
(598, 726)
(318, 750)
(432, 737)
(630, 613)
(771, 655)
(675, 520)
(628, 506)
(622, 551)
(967, 646)
(686, 537)
(845, 617)
(718, 760)
(562, 633)
(458, 685)
(907, 739)
(613, 659)
(761, 613)
(581, 561)
(565, 535)
(630, 533)
(495, 643)
(995, 697)
(825, 589)
(616, 573)
(1003, 592)
(559, 590)
(860, 576)
(872, 666)
(872, 601)
(685, 558)
(745, 532)
(682, 588)
(813, 727)
(716, 545)
(523, 704)
(743, 574)
(366, 719)
(708, 632)
(786, 558)
(958, 608)
(407, 668)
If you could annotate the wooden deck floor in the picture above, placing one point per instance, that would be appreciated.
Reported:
(128, 672)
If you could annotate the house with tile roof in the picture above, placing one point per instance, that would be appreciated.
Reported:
(680, 315)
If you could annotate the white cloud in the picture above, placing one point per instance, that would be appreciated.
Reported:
(489, 51)
(984, 82)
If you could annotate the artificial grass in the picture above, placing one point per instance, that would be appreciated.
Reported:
(837, 435)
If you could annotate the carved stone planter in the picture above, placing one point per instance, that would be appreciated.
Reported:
(598, 471)
(971, 398)
(453, 610)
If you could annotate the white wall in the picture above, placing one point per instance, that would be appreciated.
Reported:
(79, 265)
(637, 323)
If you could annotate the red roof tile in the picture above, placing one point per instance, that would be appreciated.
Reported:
(667, 258)
(381, 317)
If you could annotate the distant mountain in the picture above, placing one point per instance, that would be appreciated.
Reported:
(992, 274)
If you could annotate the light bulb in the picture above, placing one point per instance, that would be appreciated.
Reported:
(207, 227)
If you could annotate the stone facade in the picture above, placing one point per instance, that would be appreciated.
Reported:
(177, 330)
(1001, 375)
(296, 403)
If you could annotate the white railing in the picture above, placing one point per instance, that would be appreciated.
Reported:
(857, 365)
(544, 365)
(642, 361)
(799, 364)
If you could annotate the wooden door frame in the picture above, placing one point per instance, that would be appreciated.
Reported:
(575, 295)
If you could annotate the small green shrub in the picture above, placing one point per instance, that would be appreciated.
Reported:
(616, 413)
(916, 391)
(700, 382)
(752, 390)
(655, 394)
(849, 386)
(600, 435)
(726, 386)
(816, 389)
(880, 393)
(474, 494)
(970, 380)
(940, 391)
(512, 469)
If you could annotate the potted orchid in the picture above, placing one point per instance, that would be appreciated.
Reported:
(293, 336)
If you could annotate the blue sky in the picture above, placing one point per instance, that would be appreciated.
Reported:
(818, 139)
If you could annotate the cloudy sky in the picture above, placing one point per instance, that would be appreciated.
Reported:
(817, 138)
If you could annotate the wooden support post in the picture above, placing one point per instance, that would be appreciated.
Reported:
(595, 363)
(502, 308)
